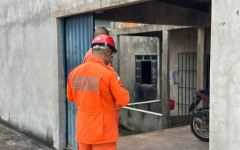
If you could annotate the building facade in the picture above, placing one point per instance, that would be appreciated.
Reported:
(40, 38)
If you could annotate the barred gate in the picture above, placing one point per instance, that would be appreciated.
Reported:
(187, 69)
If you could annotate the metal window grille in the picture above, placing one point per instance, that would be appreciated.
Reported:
(140, 59)
(187, 69)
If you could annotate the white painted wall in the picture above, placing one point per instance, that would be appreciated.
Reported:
(225, 76)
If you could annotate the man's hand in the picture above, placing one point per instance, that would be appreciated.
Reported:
(118, 106)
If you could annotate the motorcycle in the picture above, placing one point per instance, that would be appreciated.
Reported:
(200, 117)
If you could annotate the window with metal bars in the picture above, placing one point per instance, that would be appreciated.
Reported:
(146, 69)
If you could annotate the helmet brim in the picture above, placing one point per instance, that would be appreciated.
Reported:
(105, 44)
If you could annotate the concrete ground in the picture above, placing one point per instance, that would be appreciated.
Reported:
(179, 138)
(12, 140)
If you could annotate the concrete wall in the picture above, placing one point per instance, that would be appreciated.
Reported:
(32, 77)
(181, 41)
(129, 46)
(32, 91)
(29, 93)
(69, 7)
(225, 73)
(139, 122)
(184, 41)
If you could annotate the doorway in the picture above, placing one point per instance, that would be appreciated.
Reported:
(78, 37)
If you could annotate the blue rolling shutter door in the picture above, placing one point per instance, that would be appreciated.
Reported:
(79, 34)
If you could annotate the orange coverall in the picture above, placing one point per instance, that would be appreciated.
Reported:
(87, 56)
(96, 88)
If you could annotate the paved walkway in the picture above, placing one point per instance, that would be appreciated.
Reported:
(12, 140)
(179, 138)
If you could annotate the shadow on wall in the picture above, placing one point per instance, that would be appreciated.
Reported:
(145, 92)
(140, 122)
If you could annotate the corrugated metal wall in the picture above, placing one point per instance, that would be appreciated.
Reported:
(79, 34)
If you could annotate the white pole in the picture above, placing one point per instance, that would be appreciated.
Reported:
(144, 111)
(146, 102)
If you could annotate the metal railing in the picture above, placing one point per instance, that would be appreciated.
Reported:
(187, 69)
(143, 111)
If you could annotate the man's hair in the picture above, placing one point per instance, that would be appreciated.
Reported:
(100, 31)
(100, 49)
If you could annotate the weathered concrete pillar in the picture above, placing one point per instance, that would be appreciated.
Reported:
(165, 80)
(159, 69)
(225, 76)
(118, 58)
(200, 59)
(61, 107)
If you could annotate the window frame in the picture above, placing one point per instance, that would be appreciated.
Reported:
(139, 58)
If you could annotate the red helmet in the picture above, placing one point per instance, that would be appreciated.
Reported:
(104, 40)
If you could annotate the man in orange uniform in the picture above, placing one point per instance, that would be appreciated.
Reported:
(100, 31)
(96, 88)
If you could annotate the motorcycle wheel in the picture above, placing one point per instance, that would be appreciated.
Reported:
(200, 127)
